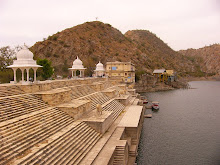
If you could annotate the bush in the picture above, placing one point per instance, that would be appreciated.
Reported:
(6, 76)
(65, 45)
(48, 54)
(47, 70)
(61, 42)
(55, 55)
(138, 74)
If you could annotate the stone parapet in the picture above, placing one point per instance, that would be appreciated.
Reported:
(111, 93)
(123, 99)
(100, 123)
(76, 108)
(55, 96)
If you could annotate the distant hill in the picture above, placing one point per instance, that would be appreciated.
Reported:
(158, 54)
(94, 41)
(208, 58)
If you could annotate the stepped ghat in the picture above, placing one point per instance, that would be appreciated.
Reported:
(57, 122)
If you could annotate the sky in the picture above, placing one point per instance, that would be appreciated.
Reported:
(182, 24)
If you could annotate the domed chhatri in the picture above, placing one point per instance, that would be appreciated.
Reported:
(24, 62)
(77, 65)
(99, 71)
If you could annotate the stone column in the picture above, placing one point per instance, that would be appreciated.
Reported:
(35, 74)
(75, 73)
(72, 73)
(15, 69)
(27, 70)
(22, 75)
(80, 73)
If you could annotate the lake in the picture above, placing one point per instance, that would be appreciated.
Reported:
(186, 129)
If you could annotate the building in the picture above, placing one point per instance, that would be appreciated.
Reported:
(171, 75)
(164, 75)
(77, 66)
(125, 71)
(99, 71)
(24, 62)
(160, 74)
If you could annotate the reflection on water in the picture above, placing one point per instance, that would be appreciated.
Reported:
(186, 129)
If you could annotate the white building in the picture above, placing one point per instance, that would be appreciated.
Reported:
(77, 65)
(24, 62)
(99, 71)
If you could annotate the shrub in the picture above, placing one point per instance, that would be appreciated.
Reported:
(65, 45)
(61, 42)
(47, 70)
(55, 38)
(55, 55)
(48, 54)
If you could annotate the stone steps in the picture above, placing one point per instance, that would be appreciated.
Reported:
(119, 155)
(20, 136)
(10, 91)
(96, 98)
(80, 91)
(114, 106)
(14, 106)
(70, 148)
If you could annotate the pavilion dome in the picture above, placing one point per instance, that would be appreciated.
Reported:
(77, 64)
(99, 67)
(25, 54)
(24, 59)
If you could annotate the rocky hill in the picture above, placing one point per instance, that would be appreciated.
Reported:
(208, 58)
(94, 41)
(158, 54)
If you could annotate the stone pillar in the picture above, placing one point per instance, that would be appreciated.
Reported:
(80, 73)
(72, 73)
(22, 75)
(27, 70)
(35, 74)
(15, 69)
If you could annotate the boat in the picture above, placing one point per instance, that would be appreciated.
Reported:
(144, 99)
(155, 105)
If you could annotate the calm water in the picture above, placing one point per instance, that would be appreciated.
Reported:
(186, 129)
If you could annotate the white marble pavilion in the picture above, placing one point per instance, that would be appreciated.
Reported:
(99, 71)
(24, 62)
(77, 65)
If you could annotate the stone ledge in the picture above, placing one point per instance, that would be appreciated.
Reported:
(76, 108)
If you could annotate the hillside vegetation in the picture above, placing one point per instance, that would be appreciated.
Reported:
(96, 41)
(207, 58)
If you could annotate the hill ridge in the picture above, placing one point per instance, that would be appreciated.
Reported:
(96, 41)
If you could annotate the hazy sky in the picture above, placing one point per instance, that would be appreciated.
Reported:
(180, 23)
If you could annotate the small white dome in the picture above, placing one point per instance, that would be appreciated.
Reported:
(99, 67)
(99, 64)
(25, 54)
(77, 64)
(77, 61)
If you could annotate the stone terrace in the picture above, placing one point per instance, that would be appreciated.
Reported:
(56, 122)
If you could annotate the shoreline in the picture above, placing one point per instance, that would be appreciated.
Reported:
(182, 83)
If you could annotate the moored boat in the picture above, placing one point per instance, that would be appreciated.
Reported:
(155, 105)
(144, 99)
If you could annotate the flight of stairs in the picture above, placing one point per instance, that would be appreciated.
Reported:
(119, 155)
(70, 148)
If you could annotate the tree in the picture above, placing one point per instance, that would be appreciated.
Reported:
(47, 70)
(7, 55)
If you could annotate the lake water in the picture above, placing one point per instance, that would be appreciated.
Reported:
(186, 129)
